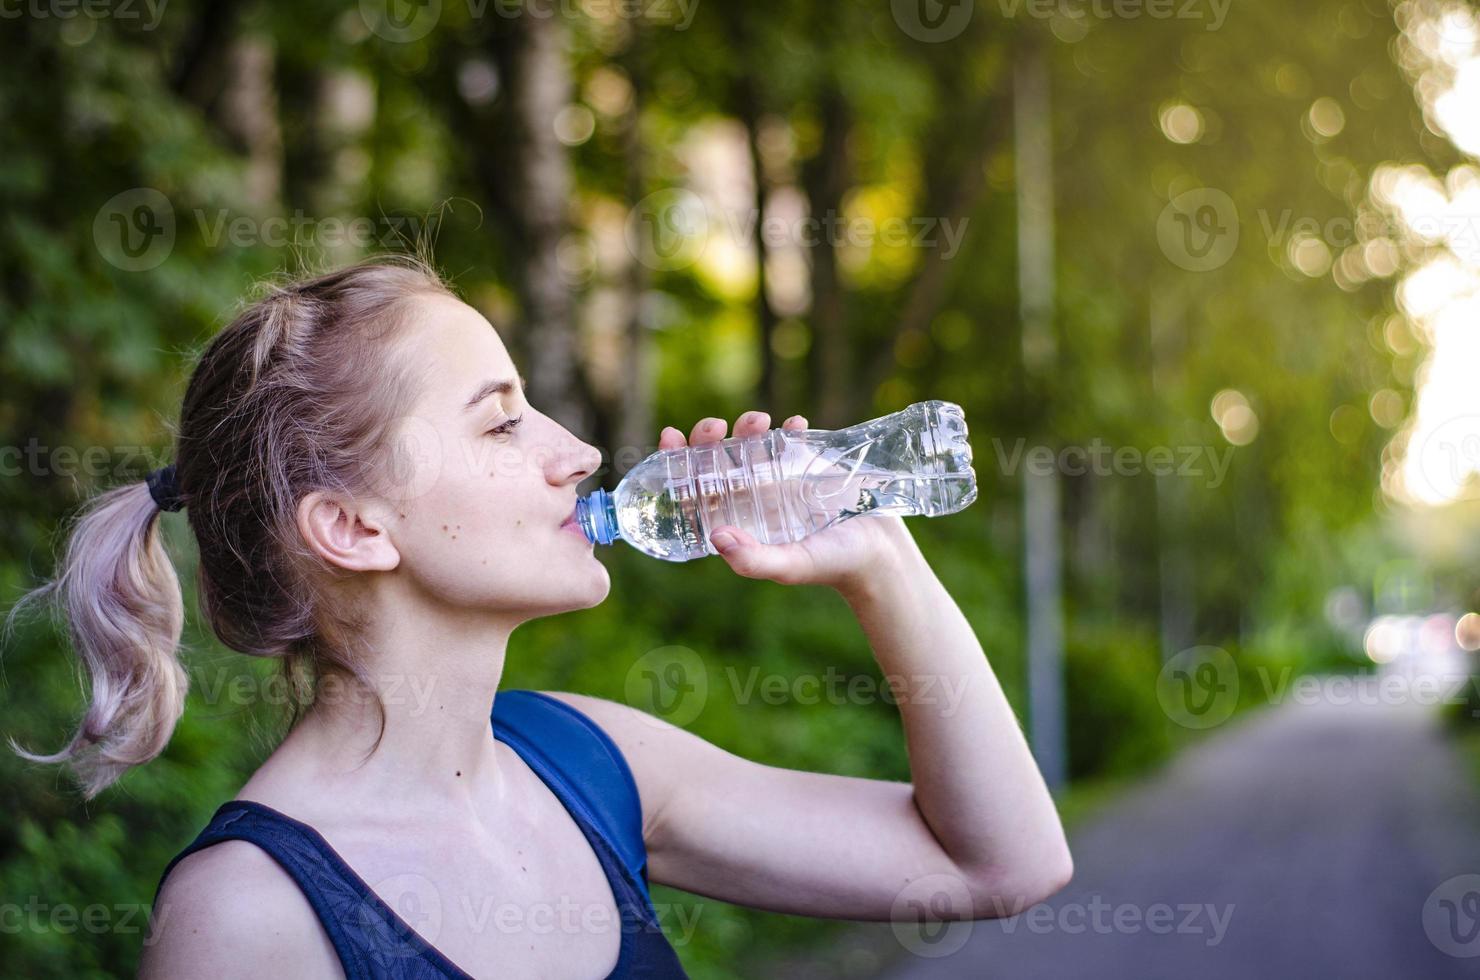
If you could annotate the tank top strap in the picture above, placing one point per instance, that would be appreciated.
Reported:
(587, 772)
(582, 766)
(370, 938)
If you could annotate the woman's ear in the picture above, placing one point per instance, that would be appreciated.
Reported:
(346, 533)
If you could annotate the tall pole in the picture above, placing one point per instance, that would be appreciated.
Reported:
(1042, 544)
(1176, 569)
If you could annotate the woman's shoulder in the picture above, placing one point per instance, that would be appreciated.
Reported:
(230, 909)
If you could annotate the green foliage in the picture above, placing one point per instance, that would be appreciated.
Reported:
(92, 355)
(1116, 727)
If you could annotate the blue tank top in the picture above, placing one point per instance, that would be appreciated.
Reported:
(582, 767)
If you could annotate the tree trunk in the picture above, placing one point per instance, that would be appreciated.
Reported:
(955, 198)
(199, 69)
(635, 412)
(826, 179)
(748, 108)
(539, 87)
(248, 114)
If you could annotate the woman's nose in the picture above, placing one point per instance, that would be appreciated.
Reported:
(576, 463)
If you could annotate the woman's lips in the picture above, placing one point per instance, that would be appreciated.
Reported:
(573, 526)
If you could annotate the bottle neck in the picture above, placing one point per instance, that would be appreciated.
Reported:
(596, 513)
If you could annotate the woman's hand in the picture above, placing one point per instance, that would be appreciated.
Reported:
(842, 556)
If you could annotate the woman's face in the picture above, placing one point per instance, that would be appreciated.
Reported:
(479, 515)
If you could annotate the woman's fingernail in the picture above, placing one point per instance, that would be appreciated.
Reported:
(712, 424)
(723, 541)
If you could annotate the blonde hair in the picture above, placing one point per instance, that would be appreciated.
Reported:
(296, 394)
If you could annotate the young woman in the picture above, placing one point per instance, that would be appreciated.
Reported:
(390, 833)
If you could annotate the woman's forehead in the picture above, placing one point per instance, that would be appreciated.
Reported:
(458, 343)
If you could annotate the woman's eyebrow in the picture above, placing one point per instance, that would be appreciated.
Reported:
(498, 386)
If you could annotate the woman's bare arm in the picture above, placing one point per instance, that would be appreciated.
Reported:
(977, 810)
(231, 911)
(974, 835)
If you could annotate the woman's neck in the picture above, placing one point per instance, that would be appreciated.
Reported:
(436, 677)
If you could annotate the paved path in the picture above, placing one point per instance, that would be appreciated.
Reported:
(1309, 840)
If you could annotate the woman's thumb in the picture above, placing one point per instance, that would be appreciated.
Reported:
(740, 549)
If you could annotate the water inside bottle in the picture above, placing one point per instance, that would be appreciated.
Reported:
(784, 485)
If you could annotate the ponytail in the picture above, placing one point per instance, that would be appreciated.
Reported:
(120, 597)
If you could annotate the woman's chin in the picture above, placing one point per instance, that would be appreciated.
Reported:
(601, 588)
(587, 587)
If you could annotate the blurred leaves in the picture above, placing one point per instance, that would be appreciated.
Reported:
(336, 122)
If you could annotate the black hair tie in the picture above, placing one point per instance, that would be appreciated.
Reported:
(164, 489)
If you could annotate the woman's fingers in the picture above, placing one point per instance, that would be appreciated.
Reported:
(707, 430)
(784, 563)
(712, 429)
(752, 424)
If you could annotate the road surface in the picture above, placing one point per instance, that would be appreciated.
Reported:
(1325, 839)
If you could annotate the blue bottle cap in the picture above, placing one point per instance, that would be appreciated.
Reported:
(596, 513)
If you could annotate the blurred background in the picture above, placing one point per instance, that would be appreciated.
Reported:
(1204, 274)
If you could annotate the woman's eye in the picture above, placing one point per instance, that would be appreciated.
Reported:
(506, 426)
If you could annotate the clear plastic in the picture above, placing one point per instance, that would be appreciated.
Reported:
(784, 485)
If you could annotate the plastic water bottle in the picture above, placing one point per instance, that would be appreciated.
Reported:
(785, 484)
